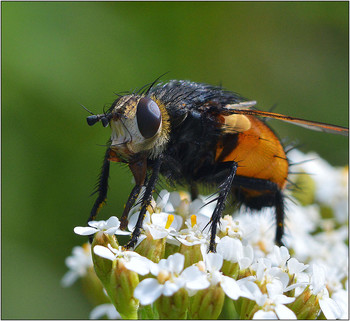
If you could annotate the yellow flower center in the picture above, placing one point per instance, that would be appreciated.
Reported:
(193, 220)
(169, 220)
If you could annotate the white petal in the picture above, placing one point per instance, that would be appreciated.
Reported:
(318, 278)
(283, 299)
(104, 252)
(157, 233)
(195, 279)
(69, 278)
(330, 308)
(261, 314)
(274, 288)
(148, 290)
(294, 266)
(230, 287)
(213, 261)
(113, 221)
(163, 198)
(85, 230)
(159, 219)
(177, 223)
(249, 289)
(176, 262)
(120, 232)
(244, 263)
(171, 240)
(140, 265)
(175, 199)
(284, 313)
(111, 230)
(104, 309)
(170, 288)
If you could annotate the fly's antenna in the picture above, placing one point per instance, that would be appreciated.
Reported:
(89, 111)
(104, 118)
(93, 119)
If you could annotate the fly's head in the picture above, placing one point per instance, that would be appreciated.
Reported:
(140, 125)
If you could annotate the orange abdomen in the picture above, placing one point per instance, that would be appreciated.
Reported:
(258, 152)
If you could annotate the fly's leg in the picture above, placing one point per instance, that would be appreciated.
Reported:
(101, 190)
(279, 204)
(129, 204)
(146, 200)
(194, 191)
(225, 189)
(139, 170)
(272, 196)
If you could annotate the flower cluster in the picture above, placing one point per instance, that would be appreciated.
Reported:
(171, 275)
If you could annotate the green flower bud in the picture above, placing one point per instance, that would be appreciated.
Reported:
(118, 281)
(173, 307)
(103, 267)
(121, 288)
(192, 254)
(306, 305)
(230, 269)
(152, 249)
(207, 303)
(93, 288)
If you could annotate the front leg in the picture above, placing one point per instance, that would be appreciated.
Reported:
(225, 188)
(102, 187)
(139, 170)
(101, 190)
(146, 201)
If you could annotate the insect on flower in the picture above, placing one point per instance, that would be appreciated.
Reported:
(193, 133)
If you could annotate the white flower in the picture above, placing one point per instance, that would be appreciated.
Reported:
(101, 310)
(331, 182)
(110, 227)
(213, 263)
(78, 263)
(132, 260)
(258, 227)
(341, 298)
(279, 256)
(273, 304)
(267, 274)
(204, 205)
(170, 279)
(329, 307)
(232, 250)
(159, 225)
(230, 227)
(197, 231)
(295, 267)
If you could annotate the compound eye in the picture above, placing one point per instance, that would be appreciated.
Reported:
(148, 117)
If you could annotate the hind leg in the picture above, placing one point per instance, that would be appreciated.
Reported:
(270, 196)
(279, 205)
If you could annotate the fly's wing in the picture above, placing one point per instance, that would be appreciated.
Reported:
(243, 108)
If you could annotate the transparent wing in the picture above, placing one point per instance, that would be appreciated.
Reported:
(243, 109)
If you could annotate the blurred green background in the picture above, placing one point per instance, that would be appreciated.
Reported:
(58, 55)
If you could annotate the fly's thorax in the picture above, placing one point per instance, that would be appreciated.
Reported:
(139, 125)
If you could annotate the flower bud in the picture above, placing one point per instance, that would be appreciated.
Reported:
(103, 267)
(121, 288)
(306, 305)
(192, 254)
(207, 303)
(152, 249)
(173, 307)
